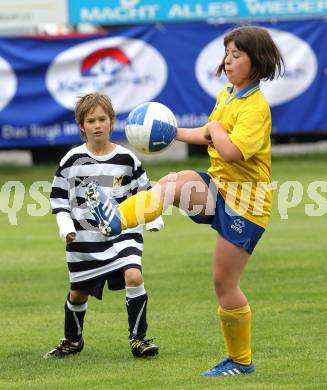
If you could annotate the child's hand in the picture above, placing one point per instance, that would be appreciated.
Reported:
(207, 136)
(70, 237)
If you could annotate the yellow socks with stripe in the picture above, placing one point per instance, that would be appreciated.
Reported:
(236, 328)
(141, 208)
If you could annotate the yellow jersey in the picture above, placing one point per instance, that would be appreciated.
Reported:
(246, 184)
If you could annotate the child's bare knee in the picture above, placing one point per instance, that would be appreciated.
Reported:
(133, 277)
(77, 296)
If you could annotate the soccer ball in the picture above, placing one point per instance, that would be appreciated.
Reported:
(151, 127)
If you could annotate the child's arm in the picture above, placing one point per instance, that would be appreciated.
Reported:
(155, 225)
(60, 205)
(66, 226)
(194, 136)
(222, 143)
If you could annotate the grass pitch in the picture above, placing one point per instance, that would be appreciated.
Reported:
(285, 283)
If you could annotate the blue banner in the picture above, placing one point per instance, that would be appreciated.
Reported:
(145, 11)
(41, 78)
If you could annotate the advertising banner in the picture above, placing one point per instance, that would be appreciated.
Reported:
(145, 11)
(41, 78)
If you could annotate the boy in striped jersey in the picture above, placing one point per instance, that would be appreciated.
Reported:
(92, 258)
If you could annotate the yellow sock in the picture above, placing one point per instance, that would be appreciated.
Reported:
(236, 327)
(143, 207)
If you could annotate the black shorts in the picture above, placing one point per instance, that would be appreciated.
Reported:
(115, 281)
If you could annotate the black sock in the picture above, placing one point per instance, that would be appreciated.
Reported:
(136, 309)
(74, 320)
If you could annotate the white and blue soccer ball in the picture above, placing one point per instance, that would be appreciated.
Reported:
(151, 127)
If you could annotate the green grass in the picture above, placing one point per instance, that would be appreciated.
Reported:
(285, 283)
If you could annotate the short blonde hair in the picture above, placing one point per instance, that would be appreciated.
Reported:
(88, 103)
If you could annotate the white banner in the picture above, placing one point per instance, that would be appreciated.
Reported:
(29, 13)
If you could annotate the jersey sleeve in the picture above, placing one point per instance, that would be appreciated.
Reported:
(65, 224)
(59, 197)
(156, 224)
(139, 174)
(248, 133)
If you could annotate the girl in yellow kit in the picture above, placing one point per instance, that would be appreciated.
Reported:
(234, 194)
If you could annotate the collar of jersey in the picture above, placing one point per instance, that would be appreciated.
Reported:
(243, 93)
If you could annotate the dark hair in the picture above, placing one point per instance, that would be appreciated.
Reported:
(266, 60)
(89, 102)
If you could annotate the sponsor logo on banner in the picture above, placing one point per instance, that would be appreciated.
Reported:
(300, 68)
(8, 83)
(129, 71)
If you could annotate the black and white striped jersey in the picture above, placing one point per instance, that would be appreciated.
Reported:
(120, 175)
